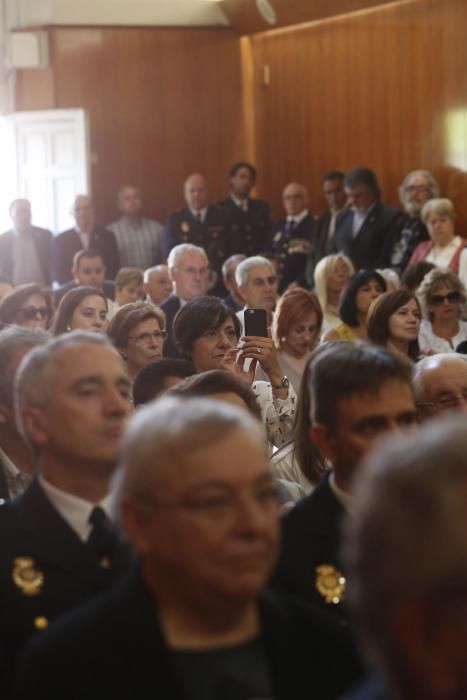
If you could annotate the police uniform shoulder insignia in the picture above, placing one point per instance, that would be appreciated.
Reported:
(26, 576)
(330, 583)
(185, 226)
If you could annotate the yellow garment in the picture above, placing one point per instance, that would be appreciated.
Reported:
(345, 332)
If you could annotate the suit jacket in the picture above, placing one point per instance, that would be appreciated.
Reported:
(321, 246)
(170, 307)
(45, 569)
(402, 243)
(310, 539)
(369, 247)
(68, 243)
(292, 263)
(43, 241)
(109, 290)
(4, 493)
(212, 235)
(122, 653)
(250, 230)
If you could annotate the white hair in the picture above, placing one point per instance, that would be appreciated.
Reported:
(407, 536)
(177, 253)
(429, 363)
(243, 270)
(230, 262)
(171, 429)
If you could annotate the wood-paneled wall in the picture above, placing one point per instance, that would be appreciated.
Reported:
(162, 103)
(385, 88)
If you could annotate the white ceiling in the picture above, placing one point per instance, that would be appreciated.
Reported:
(31, 13)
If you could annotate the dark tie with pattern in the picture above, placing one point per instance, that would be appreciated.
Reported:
(102, 540)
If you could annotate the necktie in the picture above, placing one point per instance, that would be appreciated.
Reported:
(102, 539)
(199, 218)
(289, 226)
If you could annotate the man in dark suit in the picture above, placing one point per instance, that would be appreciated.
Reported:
(86, 234)
(357, 394)
(293, 236)
(202, 224)
(25, 250)
(364, 229)
(88, 270)
(16, 458)
(199, 505)
(250, 218)
(189, 271)
(323, 236)
(58, 545)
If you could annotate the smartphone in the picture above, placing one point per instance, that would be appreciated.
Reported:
(256, 322)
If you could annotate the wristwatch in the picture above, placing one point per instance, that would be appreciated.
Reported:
(283, 385)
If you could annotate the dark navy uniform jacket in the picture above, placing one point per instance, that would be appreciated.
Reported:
(293, 254)
(250, 230)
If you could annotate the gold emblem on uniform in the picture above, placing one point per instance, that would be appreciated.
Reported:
(330, 583)
(40, 623)
(277, 237)
(185, 226)
(27, 576)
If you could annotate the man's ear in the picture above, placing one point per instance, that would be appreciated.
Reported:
(74, 272)
(134, 524)
(241, 292)
(35, 425)
(322, 437)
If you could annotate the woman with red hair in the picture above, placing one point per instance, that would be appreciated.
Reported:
(296, 329)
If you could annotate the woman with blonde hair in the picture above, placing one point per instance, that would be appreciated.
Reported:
(331, 276)
(442, 296)
(444, 248)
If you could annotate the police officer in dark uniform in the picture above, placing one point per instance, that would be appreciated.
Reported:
(201, 224)
(251, 218)
(58, 545)
(293, 236)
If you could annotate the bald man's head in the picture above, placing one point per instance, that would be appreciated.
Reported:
(196, 191)
(295, 198)
(440, 383)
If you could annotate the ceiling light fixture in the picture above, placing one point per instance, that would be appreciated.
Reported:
(266, 11)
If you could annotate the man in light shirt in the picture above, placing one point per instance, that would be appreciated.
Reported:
(358, 393)
(59, 546)
(25, 250)
(139, 240)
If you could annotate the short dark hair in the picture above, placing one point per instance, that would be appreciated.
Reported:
(351, 368)
(380, 313)
(348, 305)
(243, 164)
(86, 254)
(413, 275)
(149, 382)
(11, 304)
(362, 176)
(333, 175)
(68, 304)
(217, 381)
(128, 317)
(197, 317)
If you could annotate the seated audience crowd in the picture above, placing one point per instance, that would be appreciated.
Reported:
(198, 510)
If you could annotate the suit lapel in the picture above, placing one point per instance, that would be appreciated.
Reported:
(50, 536)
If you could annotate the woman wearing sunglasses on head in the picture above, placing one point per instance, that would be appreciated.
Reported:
(28, 305)
(442, 296)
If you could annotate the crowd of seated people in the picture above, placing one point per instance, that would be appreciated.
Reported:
(125, 473)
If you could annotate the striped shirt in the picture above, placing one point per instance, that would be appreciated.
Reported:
(139, 242)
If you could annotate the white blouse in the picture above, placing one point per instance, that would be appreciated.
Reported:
(431, 344)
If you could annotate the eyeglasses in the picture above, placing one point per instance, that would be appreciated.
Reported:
(446, 402)
(29, 313)
(438, 299)
(145, 338)
(416, 189)
(221, 506)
